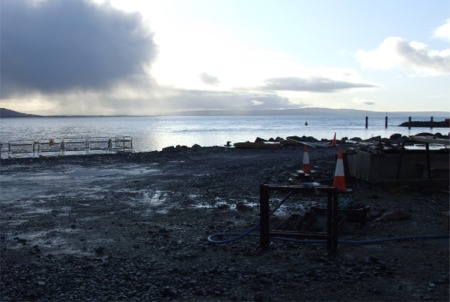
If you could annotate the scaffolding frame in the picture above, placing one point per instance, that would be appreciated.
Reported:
(62, 146)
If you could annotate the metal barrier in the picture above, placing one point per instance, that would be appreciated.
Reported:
(31, 148)
(99, 144)
(74, 144)
(123, 143)
(21, 147)
(50, 145)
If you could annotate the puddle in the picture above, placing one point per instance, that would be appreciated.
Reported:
(66, 181)
(42, 177)
(44, 239)
(54, 241)
(162, 211)
(155, 199)
(220, 203)
(200, 174)
(89, 218)
(35, 210)
(90, 173)
(284, 210)
(13, 222)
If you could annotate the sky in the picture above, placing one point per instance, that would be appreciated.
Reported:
(160, 57)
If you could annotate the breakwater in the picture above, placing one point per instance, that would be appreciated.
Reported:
(427, 124)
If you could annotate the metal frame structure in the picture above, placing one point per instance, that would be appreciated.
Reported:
(69, 145)
(424, 140)
(331, 235)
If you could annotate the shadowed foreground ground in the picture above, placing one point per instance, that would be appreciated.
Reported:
(134, 227)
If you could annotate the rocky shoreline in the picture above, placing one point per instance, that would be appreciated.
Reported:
(135, 227)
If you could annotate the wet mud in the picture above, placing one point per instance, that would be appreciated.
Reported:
(135, 227)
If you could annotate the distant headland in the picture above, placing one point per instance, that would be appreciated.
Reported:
(11, 113)
(308, 111)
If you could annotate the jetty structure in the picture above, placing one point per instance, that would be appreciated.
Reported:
(427, 124)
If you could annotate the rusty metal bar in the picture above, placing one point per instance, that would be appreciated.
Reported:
(296, 188)
(331, 235)
(427, 146)
(329, 220)
(264, 216)
(402, 150)
(295, 234)
(427, 155)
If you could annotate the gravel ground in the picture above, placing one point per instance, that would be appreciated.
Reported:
(134, 227)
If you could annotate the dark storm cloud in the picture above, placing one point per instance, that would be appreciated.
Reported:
(57, 45)
(316, 84)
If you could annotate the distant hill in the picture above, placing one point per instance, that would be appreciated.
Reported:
(309, 112)
(4, 113)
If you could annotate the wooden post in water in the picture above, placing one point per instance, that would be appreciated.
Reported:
(367, 122)
(409, 122)
(386, 121)
(431, 122)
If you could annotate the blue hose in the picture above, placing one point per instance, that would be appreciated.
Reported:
(237, 236)
(401, 238)
(249, 232)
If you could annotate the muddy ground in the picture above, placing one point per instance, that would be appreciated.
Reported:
(135, 227)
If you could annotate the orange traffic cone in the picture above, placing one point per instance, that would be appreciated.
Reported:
(306, 165)
(333, 142)
(339, 176)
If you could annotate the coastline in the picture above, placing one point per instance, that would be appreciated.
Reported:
(156, 133)
(103, 146)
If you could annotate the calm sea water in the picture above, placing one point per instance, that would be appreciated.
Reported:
(157, 132)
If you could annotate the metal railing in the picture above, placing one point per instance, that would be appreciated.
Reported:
(69, 145)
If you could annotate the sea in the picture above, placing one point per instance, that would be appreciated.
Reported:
(153, 133)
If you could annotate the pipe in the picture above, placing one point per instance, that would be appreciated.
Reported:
(237, 236)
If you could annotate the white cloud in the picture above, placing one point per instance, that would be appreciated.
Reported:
(312, 84)
(443, 31)
(182, 99)
(395, 52)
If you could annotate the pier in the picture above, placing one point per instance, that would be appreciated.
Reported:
(70, 145)
(410, 123)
